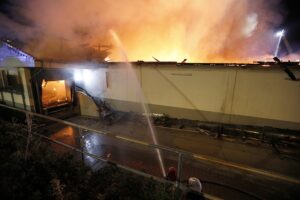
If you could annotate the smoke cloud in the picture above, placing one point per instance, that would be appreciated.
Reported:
(199, 30)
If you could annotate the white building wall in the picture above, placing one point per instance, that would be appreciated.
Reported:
(267, 94)
(253, 96)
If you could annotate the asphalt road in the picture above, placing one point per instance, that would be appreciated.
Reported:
(228, 163)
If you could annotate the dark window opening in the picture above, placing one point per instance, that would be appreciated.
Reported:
(10, 81)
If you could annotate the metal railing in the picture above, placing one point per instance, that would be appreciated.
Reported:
(181, 155)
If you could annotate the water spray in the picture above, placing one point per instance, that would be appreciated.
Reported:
(279, 34)
(145, 109)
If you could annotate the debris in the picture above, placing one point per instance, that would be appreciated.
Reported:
(203, 131)
(161, 119)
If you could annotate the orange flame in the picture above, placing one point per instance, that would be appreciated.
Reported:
(196, 30)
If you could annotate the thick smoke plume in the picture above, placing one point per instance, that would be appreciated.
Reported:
(198, 30)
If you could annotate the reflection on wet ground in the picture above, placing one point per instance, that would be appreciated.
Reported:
(145, 159)
(121, 152)
(65, 134)
(131, 155)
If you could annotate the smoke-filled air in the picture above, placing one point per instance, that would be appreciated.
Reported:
(169, 30)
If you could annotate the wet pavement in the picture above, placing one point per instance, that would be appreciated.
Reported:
(145, 159)
(65, 134)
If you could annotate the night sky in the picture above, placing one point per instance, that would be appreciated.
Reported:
(291, 21)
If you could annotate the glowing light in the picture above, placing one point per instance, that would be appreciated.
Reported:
(55, 92)
(78, 75)
(87, 76)
(83, 75)
(107, 59)
(280, 33)
(44, 83)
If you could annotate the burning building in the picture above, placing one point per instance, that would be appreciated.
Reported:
(249, 94)
(259, 94)
(25, 86)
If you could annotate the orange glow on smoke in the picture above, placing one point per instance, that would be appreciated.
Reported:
(196, 30)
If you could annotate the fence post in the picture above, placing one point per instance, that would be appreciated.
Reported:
(29, 135)
(179, 170)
